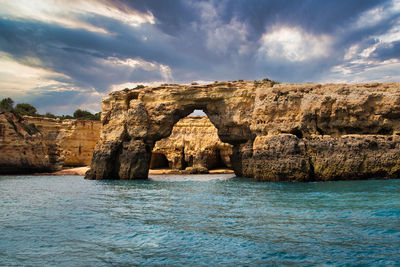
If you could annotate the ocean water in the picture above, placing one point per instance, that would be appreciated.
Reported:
(197, 221)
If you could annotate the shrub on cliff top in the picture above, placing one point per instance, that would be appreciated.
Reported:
(84, 115)
(7, 104)
(25, 109)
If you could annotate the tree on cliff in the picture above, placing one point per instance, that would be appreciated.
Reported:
(84, 115)
(25, 109)
(7, 104)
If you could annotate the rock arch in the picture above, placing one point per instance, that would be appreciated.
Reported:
(194, 146)
(280, 132)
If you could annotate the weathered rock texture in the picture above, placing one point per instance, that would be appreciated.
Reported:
(24, 149)
(193, 145)
(76, 138)
(35, 144)
(285, 132)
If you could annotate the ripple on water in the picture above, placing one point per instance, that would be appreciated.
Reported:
(197, 220)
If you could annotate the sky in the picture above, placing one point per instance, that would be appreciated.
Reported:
(63, 55)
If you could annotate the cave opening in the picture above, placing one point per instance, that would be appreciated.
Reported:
(158, 161)
(193, 145)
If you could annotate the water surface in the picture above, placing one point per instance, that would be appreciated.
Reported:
(197, 220)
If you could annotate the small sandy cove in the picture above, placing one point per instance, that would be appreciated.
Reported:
(82, 171)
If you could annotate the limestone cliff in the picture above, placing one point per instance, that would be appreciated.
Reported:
(24, 149)
(280, 132)
(39, 144)
(76, 138)
(193, 143)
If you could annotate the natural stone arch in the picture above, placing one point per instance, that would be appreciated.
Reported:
(133, 120)
(284, 132)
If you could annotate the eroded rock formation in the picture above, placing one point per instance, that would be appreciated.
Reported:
(193, 145)
(24, 149)
(285, 132)
(39, 144)
(76, 138)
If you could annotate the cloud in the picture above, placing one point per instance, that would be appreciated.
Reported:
(221, 37)
(75, 52)
(72, 13)
(294, 44)
(20, 80)
(137, 63)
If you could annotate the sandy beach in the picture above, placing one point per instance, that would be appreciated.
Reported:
(82, 171)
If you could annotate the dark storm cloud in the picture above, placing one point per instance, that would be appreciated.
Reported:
(387, 51)
(201, 40)
(314, 16)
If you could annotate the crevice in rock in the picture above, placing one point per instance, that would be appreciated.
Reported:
(311, 172)
(385, 131)
(10, 121)
(297, 133)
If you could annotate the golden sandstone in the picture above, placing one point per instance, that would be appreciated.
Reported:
(280, 132)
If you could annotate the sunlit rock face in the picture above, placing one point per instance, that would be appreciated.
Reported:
(284, 132)
(24, 149)
(36, 144)
(76, 138)
(193, 143)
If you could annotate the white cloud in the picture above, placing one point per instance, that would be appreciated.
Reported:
(386, 71)
(221, 38)
(137, 63)
(69, 13)
(351, 52)
(293, 44)
(19, 79)
(374, 16)
(362, 63)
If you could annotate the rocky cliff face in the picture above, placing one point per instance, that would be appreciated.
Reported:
(193, 145)
(76, 138)
(325, 132)
(24, 149)
(285, 132)
(38, 144)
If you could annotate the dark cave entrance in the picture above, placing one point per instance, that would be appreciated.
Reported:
(219, 161)
(158, 161)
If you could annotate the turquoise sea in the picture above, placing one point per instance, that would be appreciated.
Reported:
(197, 221)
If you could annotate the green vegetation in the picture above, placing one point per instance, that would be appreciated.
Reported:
(86, 115)
(25, 109)
(7, 104)
(266, 81)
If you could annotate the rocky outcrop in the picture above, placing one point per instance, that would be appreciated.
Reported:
(284, 132)
(37, 144)
(76, 138)
(24, 149)
(193, 145)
